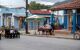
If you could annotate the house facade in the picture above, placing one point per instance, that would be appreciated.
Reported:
(12, 17)
(41, 13)
(71, 14)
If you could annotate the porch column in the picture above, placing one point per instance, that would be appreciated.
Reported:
(12, 20)
(1, 20)
(65, 19)
(20, 22)
(7, 24)
(52, 18)
(74, 21)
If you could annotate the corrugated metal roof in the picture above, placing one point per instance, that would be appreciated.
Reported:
(17, 12)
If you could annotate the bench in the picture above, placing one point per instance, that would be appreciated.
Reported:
(10, 34)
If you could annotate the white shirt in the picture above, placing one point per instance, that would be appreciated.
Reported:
(11, 31)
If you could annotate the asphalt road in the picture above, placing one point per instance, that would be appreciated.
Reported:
(39, 43)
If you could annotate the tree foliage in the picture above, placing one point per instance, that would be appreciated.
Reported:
(37, 6)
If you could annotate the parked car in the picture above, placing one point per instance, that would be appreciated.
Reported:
(77, 33)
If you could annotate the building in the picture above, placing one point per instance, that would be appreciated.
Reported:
(40, 13)
(71, 14)
(12, 17)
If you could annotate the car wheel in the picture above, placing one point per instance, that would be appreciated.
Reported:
(77, 37)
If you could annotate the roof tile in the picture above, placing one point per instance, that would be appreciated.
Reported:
(71, 5)
(40, 11)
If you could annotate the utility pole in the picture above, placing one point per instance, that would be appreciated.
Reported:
(26, 17)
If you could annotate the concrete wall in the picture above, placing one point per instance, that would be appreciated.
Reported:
(16, 24)
(78, 17)
(32, 24)
(78, 20)
(0, 21)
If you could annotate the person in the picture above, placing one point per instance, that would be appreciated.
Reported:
(48, 26)
(11, 33)
(45, 22)
(17, 33)
(0, 33)
(52, 28)
(7, 33)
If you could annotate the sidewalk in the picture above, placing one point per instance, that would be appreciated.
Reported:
(57, 35)
(54, 36)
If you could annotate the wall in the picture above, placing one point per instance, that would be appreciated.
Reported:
(60, 15)
(32, 24)
(0, 21)
(78, 20)
(16, 25)
(78, 17)
(17, 12)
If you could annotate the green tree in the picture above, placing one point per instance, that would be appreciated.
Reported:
(37, 6)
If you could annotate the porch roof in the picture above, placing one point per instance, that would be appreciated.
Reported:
(75, 4)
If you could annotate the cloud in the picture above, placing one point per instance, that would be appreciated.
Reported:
(46, 0)
(13, 3)
(52, 0)
(21, 3)
(47, 3)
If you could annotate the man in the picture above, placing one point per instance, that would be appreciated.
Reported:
(0, 33)
(52, 28)
(49, 28)
(12, 33)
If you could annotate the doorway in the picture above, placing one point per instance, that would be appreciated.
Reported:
(69, 20)
(78, 20)
(7, 19)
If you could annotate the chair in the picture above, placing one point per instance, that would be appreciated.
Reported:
(17, 34)
(7, 33)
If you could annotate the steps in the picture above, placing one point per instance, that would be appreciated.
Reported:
(62, 32)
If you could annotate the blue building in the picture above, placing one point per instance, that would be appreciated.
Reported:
(40, 13)
(71, 14)
(12, 17)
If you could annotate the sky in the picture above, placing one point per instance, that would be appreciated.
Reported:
(21, 3)
(12, 3)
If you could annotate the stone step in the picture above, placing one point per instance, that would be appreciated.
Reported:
(64, 32)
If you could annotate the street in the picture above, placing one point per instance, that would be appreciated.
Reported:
(39, 43)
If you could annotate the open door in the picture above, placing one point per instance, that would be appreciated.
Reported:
(7, 19)
(78, 18)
